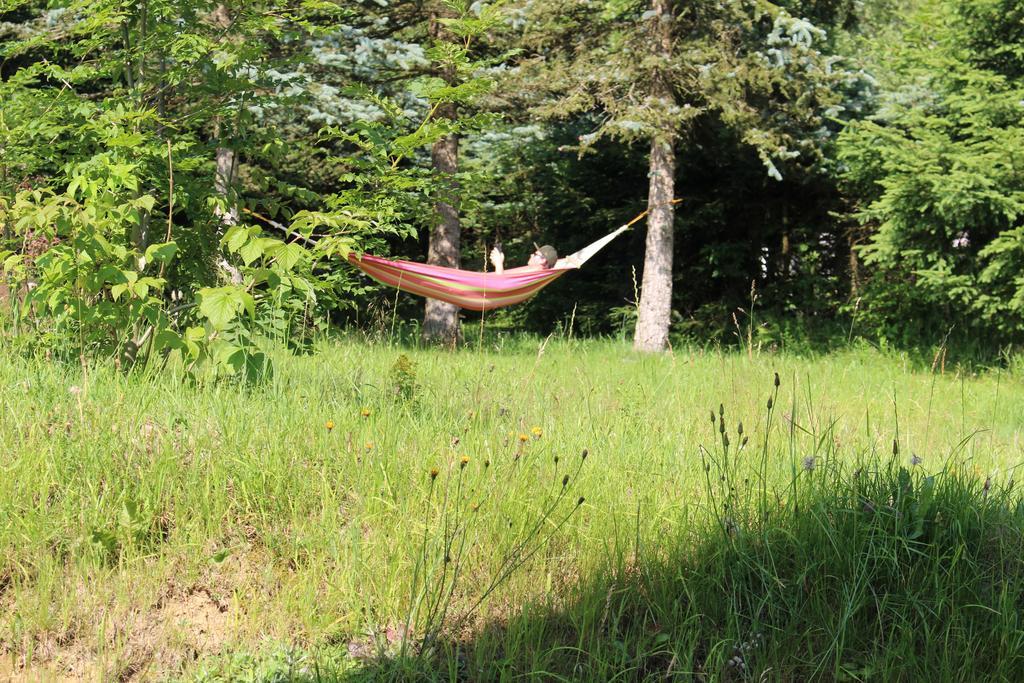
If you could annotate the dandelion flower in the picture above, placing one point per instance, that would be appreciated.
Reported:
(365, 412)
(433, 473)
(463, 461)
(537, 432)
(329, 424)
(524, 438)
(368, 445)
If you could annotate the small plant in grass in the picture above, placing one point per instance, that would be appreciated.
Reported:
(451, 535)
(134, 527)
(403, 378)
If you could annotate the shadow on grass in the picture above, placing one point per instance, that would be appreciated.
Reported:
(873, 573)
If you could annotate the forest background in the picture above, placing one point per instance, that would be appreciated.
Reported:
(186, 177)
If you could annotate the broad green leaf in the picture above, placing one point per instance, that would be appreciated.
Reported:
(235, 237)
(125, 140)
(168, 339)
(251, 252)
(287, 255)
(195, 334)
(162, 252)
(146, 201)
(220, 305)
(249, 303)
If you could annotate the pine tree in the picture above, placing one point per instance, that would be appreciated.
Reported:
(937, 174)
(653, 72)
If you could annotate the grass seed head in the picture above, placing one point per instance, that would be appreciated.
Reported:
(585, 454)
(777, 380)
(580, 501)
(565, 481)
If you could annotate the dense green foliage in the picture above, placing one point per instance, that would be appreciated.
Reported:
(306, 118)
(938, 174)
(128, 237)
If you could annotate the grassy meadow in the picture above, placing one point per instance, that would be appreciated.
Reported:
(380, 512)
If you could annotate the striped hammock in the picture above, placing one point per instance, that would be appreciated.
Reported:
(471, 289)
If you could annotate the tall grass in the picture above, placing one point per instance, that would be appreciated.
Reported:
(304, 516)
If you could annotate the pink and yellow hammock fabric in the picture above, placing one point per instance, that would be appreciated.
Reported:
(470, 289)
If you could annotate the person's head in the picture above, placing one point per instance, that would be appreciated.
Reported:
(545, 257)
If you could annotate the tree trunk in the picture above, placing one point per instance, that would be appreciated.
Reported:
(854, 263)
(655, 314)
(441, 319)
(223, 182)
(785, 247)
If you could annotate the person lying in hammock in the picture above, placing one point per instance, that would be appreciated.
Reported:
(543, 258)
